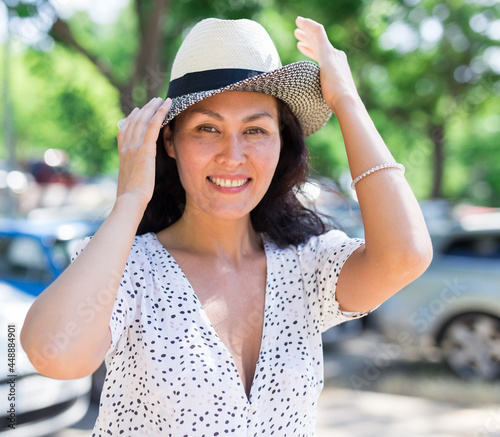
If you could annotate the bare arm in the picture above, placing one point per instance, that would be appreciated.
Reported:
(62, 339)
(397, 245)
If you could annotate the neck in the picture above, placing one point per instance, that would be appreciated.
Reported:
(228, 239)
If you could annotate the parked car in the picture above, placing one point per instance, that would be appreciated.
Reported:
(34, 253)
(452, 312)
(33, 404)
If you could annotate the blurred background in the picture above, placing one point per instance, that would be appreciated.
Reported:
(429, 74)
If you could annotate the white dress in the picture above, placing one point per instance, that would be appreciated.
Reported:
(169, 374)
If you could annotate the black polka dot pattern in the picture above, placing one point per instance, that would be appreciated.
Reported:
(169, 374)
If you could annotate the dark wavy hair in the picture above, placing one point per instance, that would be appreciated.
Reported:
(279, 214)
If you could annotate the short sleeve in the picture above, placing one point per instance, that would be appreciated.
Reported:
(322, 259)
(127, 298)
(79, 247)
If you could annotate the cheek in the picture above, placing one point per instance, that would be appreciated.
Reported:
(186, 166)
(191, 161)
(270, 159)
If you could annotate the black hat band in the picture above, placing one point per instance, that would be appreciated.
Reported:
(208, 80)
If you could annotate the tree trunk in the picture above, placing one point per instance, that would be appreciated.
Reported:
(11, 205)
(148, 76)
(436, 134)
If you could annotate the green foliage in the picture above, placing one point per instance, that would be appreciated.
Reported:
(114, 44)
(473, 150)
(60, 101)
(420, 88)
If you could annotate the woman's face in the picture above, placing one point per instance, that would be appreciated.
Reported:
(227, 148)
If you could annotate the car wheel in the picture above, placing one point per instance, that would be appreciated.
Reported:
(471, 346)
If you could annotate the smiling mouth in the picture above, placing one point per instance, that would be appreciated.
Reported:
(227, 183)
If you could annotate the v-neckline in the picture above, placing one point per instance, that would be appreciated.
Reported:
(206, 319)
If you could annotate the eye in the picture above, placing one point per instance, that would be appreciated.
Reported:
(206, 128)
(255, 130)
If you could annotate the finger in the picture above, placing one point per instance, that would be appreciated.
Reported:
(130, 116)
(123, 125)
(150, 111)
(299, 20)
(124, 122)
(307, 23)
(155, 123)
(134, 135)
(301, 35)
(312, 29)
(162, 111)
(304, 49)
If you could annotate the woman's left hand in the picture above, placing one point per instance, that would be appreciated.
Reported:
(336, 77)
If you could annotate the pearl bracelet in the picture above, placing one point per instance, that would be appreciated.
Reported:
(386, 166)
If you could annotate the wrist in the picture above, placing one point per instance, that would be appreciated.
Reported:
(346, 103)
(132, 205)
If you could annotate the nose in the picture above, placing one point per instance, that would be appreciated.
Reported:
(231, 152)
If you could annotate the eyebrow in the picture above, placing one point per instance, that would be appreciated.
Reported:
(217, 116)
(256, 116)
(208, 112)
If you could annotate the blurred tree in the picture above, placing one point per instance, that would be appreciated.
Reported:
(60, 101)
(133, 55)
(427, 71)
(139, 72)
(419, 64)
(435, 58)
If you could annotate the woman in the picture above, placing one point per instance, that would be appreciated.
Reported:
(210, 321)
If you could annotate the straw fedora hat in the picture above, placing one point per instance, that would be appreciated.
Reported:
(238, 55)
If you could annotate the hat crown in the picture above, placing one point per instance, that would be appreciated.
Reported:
(214, 44)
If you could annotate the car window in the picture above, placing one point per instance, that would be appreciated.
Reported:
(62, 252)
(482, 246)
(22, 258)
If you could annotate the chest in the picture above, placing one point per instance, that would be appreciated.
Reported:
(233, 299)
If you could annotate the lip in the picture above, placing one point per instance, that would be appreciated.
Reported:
(227, 177)
(230, 176)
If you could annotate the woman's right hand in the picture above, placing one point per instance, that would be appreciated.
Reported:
(85, 302)
(137, 149)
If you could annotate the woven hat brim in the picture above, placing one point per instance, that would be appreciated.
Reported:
(297, 84)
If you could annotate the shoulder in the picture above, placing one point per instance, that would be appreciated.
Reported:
(146, 249)
(144, 243)
(327, 247)
(333, 238)
(141, 244)
(327, 251)
(331, 243)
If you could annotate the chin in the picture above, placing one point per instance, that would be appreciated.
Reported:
(224, 211)
(230, 215)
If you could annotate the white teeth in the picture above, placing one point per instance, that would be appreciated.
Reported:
(227, 182)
